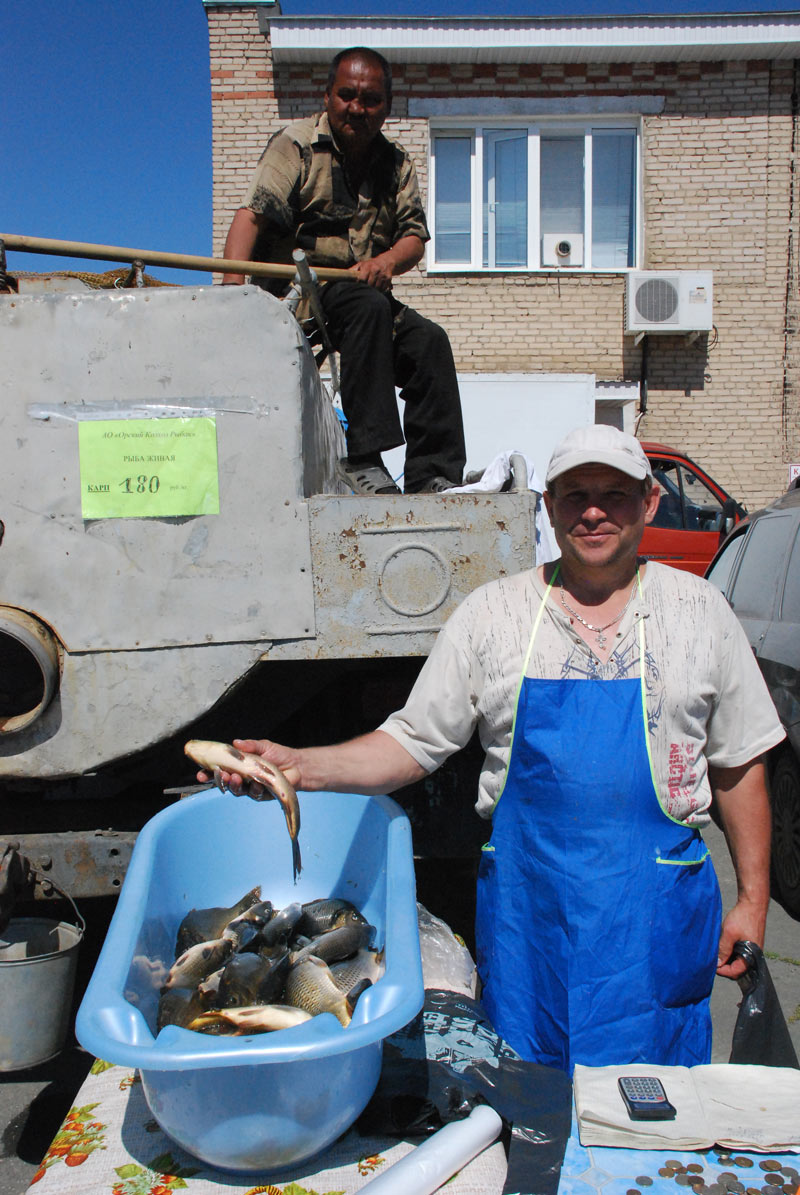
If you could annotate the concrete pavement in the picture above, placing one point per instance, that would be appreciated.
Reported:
(782, 950)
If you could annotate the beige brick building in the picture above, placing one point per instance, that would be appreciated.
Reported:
(690, 126)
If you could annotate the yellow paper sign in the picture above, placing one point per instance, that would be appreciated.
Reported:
(148, 468)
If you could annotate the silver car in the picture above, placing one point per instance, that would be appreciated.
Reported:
(758, 570)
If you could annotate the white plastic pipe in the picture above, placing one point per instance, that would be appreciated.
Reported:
(431, 1164)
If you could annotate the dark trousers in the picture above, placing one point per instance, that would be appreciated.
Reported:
(383, 345)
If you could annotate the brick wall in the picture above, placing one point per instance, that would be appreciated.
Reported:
(718, 194)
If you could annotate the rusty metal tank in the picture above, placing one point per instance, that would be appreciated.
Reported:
(116, 631)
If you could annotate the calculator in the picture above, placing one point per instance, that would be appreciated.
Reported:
(645, 1098)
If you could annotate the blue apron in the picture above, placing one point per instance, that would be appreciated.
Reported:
(598, 915)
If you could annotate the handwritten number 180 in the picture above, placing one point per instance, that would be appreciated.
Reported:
(140, 485)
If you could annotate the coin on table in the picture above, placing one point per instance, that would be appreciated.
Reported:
(770, 1164)
(753, 1191)
(727, 1175)
(743, 1161)
(644, 1180)
(682, 1180)
(633, 1191)
(734, 1187)
(695, 1168)
(772, 1189)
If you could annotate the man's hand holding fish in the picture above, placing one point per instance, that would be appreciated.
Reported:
(373, 763)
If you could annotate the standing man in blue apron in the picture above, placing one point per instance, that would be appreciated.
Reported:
(614, 698)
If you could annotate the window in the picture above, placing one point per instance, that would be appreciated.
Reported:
(522, 196)
(761, 571)
(686, 502)
(790, 606)
(722, 569)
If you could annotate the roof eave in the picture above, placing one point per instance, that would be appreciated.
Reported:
(539, 39)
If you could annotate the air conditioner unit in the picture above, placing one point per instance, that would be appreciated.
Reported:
(668, 301)
(562, 249)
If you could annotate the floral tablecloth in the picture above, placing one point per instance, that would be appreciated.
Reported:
(109, 1144)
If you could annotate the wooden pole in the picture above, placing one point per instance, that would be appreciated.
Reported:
(154, 257)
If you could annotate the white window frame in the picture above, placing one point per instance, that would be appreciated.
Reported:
(474, 128)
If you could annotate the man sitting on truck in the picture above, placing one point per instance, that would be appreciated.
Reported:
(335, 187)
(614, 697)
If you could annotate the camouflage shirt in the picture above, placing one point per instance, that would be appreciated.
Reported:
(302, 188)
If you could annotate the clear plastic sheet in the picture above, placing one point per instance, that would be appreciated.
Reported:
(447, 965)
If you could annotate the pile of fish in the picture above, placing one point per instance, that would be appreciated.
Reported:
(253, 968)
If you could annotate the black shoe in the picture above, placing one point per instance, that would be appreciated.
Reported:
(366, 477)
(436, 485)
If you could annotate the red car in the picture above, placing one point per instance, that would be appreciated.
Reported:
(694, 513)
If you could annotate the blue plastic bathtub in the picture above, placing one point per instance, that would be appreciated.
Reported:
(267, 1101)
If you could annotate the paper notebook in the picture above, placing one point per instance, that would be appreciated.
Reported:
(739, 1107)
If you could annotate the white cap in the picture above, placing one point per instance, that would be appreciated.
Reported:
(599, 444)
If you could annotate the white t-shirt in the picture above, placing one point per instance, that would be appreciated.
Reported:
(707, 702)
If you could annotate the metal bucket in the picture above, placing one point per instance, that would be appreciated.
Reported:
(38, 960)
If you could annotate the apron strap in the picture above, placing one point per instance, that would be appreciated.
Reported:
(536, 621)
(642, 683)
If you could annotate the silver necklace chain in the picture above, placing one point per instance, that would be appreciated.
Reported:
(596, 631)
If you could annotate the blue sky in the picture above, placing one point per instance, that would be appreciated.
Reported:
(106, 112)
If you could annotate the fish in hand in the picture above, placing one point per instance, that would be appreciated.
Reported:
(217, 758)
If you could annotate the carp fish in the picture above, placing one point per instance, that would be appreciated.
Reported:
(367, 964)
(326, 913)
(349, 933)
(247, 929)
(179, 1006)
(206, 925)
(261, 968)
(260, 1018)
(197, 963)
(311, 986)
(250, 979)
(216, 758)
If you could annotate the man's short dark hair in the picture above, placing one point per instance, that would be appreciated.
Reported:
(363, 52)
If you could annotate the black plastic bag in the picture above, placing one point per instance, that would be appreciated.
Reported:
(760, 1036)
(447, 1060)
